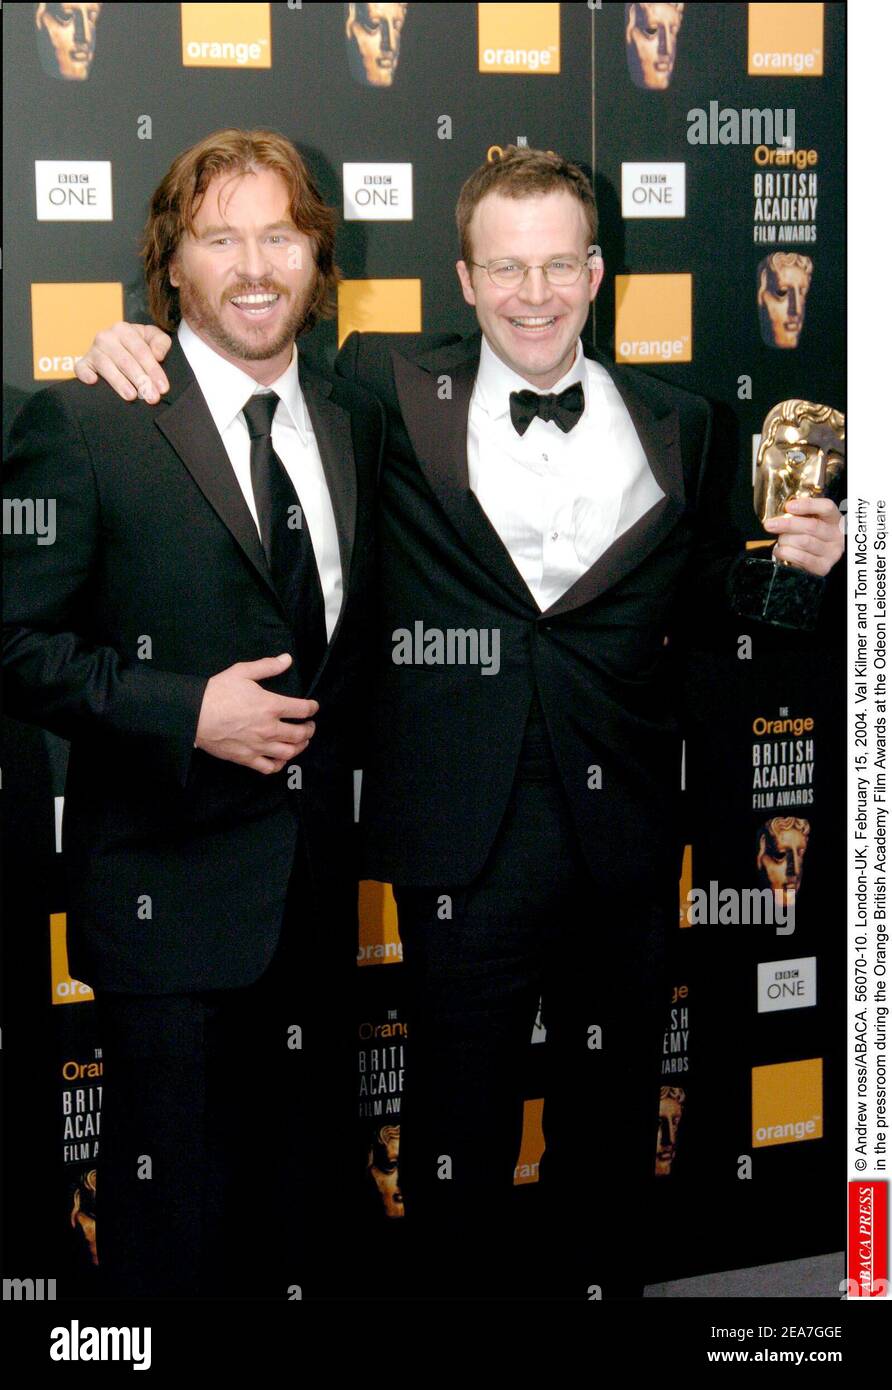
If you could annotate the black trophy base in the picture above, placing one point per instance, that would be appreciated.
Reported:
(781, 595)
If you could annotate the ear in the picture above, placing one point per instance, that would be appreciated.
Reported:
(173, 273)
(467, 288)
(596, 275)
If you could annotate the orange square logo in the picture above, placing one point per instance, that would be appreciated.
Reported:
(653, 318)
(226, 36)
(532, 1144)
(64, 321)
(378, 306)
(685, 884)
(786, 41)
(788, 1102)
(65, 989)
(519, 38)
(379, 939)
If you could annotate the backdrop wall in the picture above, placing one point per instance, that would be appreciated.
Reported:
(694, 194)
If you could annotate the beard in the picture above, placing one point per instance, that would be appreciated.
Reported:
(202, 314)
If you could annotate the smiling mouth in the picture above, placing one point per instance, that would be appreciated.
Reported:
(540, 324)
(255, 305)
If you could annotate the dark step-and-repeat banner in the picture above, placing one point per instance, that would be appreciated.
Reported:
(715, 137)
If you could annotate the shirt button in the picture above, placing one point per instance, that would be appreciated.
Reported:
(554, 535)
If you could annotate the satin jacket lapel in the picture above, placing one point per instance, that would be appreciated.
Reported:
(659, 435)
(438, 431)
(188, 426)
(334, 436)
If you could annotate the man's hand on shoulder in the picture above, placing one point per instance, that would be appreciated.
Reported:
(127, 357)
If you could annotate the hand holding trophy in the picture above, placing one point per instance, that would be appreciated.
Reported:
(801, 454)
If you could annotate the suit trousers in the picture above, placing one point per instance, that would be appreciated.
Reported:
(221, 1122)
(532, 926)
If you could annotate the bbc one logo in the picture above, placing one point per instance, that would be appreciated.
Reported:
(653, 318)
(519, 38)
(226, 36)
(73, 190)
(787, 984)
(786, 40)
(377, 192)
(653, 190)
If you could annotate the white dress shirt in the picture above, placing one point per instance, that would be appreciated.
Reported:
(556, 500)
(226, 388)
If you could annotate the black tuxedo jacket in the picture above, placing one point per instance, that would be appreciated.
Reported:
(177, 862)
(445, 739)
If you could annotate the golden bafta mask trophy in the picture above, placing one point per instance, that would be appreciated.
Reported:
(802, 453)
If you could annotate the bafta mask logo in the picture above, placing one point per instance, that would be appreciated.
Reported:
(784, 278)
(83, 1211)
(783, 841)
(66, 39)
(373, 35)
(384, 1156)
(672, 1103)
(651, 44)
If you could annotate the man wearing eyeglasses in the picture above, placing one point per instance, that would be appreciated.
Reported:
(528, 819)
(539, 502)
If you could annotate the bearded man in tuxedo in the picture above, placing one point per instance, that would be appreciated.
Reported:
(196, 630)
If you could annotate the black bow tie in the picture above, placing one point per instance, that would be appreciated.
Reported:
(564, 409)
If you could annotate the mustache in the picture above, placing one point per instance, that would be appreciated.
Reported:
(256, 287)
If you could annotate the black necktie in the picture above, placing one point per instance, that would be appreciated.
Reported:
(286, 540)
(564, 409)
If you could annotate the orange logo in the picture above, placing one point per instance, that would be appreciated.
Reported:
(65, 989)
(786, 41)
(788, 1102)
(379, 940)
(226, 36)
(532, 1143)
(64, 321)
(653, 318)
(519, 38)
(685, 884)
(378, 306)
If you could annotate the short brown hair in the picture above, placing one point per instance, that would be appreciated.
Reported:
(175, 201)
(520, 173)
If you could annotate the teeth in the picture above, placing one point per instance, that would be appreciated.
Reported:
(533, 323)
(255, 299)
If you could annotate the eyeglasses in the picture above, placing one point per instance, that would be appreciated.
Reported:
(508, 273)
